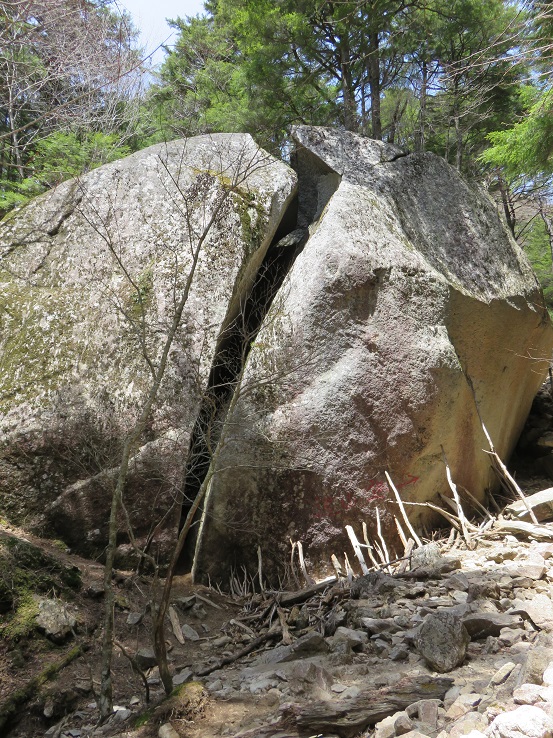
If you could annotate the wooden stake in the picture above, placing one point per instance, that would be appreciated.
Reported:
(308, 579)
(498, 465)
(379, 532)
(337, 566)
(292, 564)
(357, 549)
(403, 566)
(460, 513)
(401, 533)
(260, 569)
(349, 570)
(369, 547)
(402, 510)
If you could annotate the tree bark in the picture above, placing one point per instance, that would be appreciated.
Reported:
(373, 70)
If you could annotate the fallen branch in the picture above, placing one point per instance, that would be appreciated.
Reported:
(135, 668)
(348, 717)
(9, 708)
(294, 598)
(251, 646)
(541, 503)
(517, 527)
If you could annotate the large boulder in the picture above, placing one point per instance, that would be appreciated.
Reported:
(409, 306)
(91, 275)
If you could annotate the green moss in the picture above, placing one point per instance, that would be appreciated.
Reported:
(23, 621)
(30, 359)
(141, 295)
(142, 719)
(25, 571)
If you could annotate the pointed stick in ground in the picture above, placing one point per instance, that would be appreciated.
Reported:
(337, 566)
(292, 564)
(357, 549)
(402, 510)
(260, 569)
(369, 547)
(460, 513)
(476, 502)
(499, 467)
(502, 470)
(308, 579)
(403, 566)
(349, 571)
(401, 533)
(379, 532)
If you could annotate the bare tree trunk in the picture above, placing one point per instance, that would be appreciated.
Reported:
(160, 649)
(508, 209)
(373, 70)
(348, 94)
(458, 143)
(548, 223)
(420, 141)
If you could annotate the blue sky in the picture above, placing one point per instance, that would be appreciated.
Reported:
(149, 16)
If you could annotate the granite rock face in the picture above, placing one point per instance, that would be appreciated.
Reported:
(91, 274)
(408, 291)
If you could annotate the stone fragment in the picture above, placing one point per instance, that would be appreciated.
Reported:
(403, 724)
(502, 674)
(399, 653)
(540, 609)
(531, 566)
(538, 660)
(145, 658)
(134, 618)
(466, 724)
(189, 632)
(307, 645)
(547, 678)
(385, 728)
(380, 625)
(442, 641)
(483, 624)
(428, 556)
(356, 638)
(463, 704)
(428, 714)
(221, 641)
(457, 581)
(183, 676)
(524, 722)
(55, 620)
(167, 731)
(527, 694)
(483, 589)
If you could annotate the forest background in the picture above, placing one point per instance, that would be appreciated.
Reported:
(470, 80)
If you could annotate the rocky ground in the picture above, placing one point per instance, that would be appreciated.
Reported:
(456, 640)
(461, 642)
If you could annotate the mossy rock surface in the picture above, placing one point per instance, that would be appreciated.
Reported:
(25, 572)
(89, 285)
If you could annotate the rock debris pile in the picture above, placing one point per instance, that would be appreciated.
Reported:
(460, 645)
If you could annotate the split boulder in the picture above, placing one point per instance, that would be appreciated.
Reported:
(408, 295)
